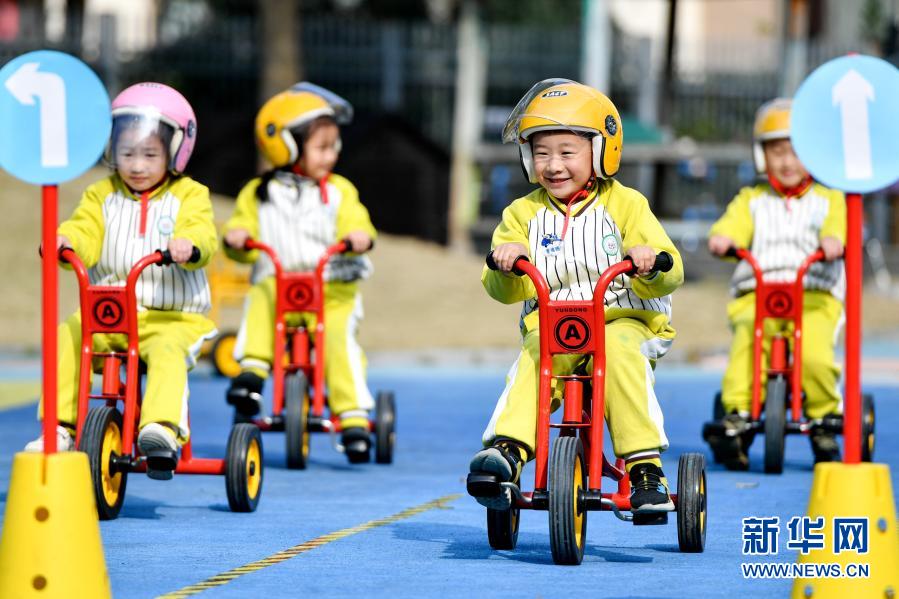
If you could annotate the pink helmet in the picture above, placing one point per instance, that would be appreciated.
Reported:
(160, 102)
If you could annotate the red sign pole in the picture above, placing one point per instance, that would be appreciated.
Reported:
(852, 427)
(49, 306)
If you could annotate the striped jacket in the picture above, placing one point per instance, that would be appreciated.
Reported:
(781, 232)
(601, 230)
(300, 226)
(104, 231)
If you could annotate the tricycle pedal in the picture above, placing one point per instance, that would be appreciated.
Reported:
(483, 484)
(161, 463)
(650, 518)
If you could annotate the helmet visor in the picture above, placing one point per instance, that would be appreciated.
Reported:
(343, 110)
(144, 133)
(512, 130)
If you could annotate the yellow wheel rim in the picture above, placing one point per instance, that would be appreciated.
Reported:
(224, 356)
(305, 426)
(254, 469)
(112, 443)
(579, 515)
(869, 420)
(701, 503)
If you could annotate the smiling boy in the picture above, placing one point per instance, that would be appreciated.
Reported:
(578, 223)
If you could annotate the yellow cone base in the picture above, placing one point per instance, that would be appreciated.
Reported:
(51, 544)
(854, 491)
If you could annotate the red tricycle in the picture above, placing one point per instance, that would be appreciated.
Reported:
(567, 479)
(297, 362)
(108, 436)
(783, 377)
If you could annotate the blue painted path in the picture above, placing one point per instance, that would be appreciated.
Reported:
(174, 534)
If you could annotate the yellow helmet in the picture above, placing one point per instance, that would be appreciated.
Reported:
(772, 121)
(562, 104)
(283, 114)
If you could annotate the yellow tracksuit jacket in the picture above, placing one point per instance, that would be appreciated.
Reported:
(781, 232)
(601, 230)
(172, 301)
(296, 221)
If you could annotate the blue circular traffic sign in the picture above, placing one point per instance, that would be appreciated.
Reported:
(845, 123)
(55, 117)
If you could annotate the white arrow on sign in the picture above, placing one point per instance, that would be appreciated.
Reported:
(26, 84)
(852, 92)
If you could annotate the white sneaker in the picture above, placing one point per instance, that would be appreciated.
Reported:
(64, 441)
(156, 436)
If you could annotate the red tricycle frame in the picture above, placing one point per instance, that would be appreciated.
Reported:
(114, 310)
(106, 310)
(578, 327)
(584, 320)
(299, 292)
(781, 300)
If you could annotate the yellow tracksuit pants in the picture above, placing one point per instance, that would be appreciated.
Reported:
(345, 364)
(169, 343)
(821, 322)
(632, 411)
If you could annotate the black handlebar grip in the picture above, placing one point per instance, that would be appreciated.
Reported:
(492, 265)
(59, 253)
(242, 248)
(349, 246)
(731, 252)
(664, 262)
(167, 256)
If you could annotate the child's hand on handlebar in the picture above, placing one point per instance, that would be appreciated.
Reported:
(505, 255)
(61, 242)
(832, 247)
(643, 257)
(237, 238)
(180, 249)
(719, 244)
(359, 241)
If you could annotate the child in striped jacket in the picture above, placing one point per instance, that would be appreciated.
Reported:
(574, 226)
(781, 221)
(300, 207)
(147, 204)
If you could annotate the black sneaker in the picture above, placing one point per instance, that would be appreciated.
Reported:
(824, 445)
(504, 461)
(245, 394)
(356, 442)
(648, 491)
(729, 441)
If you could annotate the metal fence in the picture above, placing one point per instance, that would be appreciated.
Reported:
(409, 69)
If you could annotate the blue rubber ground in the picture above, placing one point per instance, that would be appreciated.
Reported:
(174, 534)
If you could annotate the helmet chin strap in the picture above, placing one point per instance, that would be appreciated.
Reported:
(575, 198)
(322, 183)
(790, 192)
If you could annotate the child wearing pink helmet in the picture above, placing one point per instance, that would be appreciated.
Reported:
(145, 205)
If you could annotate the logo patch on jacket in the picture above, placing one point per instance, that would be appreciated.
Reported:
(165, 225)
(551, 244)
(610, 244)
